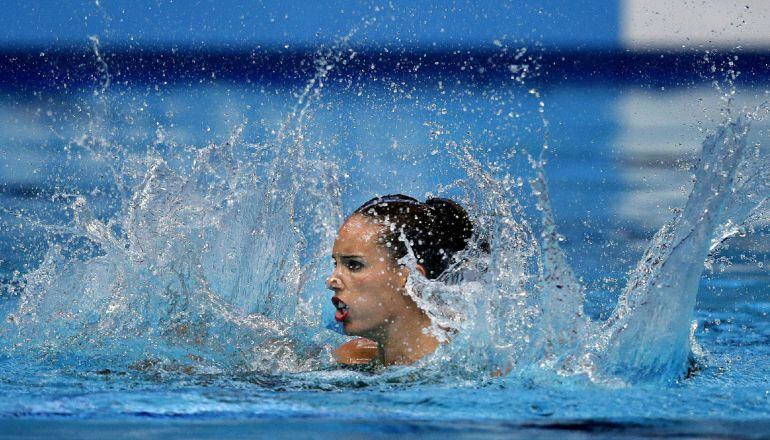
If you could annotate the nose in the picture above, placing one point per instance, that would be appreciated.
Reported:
(334, 282)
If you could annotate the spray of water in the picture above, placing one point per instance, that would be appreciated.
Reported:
(210, 262)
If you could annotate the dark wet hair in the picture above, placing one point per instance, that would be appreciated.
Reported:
(437, 230)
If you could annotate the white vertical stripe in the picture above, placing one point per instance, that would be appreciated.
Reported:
(678, 24)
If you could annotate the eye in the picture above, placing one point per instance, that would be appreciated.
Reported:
(354, 266)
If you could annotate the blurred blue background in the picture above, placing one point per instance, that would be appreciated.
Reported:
(303, 22)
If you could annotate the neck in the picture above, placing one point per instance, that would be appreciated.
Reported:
(404, 342)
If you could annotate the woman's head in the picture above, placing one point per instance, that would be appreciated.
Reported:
(368, 280)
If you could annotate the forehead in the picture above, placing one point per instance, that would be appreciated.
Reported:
(358, 236)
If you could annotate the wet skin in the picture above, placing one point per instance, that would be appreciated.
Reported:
(369, 294)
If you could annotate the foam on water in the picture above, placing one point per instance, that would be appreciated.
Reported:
(211, 266)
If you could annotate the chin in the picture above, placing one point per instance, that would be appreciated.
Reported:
(357, 329)
(351, 329)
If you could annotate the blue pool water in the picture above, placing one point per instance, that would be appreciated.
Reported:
(148, 228)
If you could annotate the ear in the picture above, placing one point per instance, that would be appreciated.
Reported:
(405, 273)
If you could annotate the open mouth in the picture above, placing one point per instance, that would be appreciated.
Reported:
(342, 309)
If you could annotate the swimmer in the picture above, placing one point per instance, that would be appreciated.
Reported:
(369, 283)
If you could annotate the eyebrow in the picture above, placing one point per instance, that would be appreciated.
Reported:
(347, 256)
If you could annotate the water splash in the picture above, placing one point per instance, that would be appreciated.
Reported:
(525, 310)
(648, 334)
(210, 265)
(205, 266)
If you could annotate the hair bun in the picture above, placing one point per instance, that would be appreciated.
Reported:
(452, 222)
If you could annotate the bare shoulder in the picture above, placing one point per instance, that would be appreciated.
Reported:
(359, 351)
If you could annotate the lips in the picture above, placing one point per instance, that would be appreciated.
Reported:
(342, 309)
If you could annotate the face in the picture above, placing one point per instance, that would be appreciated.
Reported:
(367, 283)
